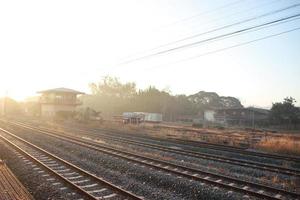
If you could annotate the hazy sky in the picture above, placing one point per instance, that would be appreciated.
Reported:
(47, 44)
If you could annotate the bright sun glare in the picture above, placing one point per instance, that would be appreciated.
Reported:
(73, 43)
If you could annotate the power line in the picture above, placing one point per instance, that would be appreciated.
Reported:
(264, 4)
(215, 38)
(228, 34)
(233, 14)
(256, 29)
(230, 47)
(228, 26)
(205, 12)
(213, 30)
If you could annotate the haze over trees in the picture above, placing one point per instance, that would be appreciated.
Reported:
(9, 106)
(112, 97)
(285, 112)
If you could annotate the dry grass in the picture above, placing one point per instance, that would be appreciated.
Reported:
(154, 130)
(285, 145)
(277, 143)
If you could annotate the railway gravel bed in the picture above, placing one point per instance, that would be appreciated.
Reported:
(260, 176)
(78, 129)
(37, 185)
(149, 183)
(205, 149)
(97, 133)
(103, 134)
(265, 177)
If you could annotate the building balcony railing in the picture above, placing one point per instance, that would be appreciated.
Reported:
(60, 101)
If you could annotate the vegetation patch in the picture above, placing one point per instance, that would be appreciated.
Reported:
(284, 145)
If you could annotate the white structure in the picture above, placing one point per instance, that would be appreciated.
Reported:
(153, 117)
(209, 115)
(144, 116)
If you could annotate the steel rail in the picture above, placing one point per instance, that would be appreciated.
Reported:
(244, 163)
(218, 147)
(244, 152)
(85, 192)
(238, 185)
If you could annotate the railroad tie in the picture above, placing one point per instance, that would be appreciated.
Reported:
(81, 181)
(97, 191)
(75, 177)
(88, 186)
(109, 196)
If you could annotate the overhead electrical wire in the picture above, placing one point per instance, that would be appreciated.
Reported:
(213, 30)
(228, 34)
(228, 15)
(256, 29)
(205, 13)
(232, 14)
(229, 25)
(230, 47)
(215, 38)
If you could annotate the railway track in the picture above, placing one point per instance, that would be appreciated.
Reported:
(87, 185)
(218, 147)
(244, 152)
(244, 163)
(222, 181)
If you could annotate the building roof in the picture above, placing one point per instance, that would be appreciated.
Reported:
(259, 110)
(61, 90)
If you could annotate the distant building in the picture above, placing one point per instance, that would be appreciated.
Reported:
(132, 118)
(248, 117)
(138, 117)
(237, 116)
(58, 100)
(151, 117)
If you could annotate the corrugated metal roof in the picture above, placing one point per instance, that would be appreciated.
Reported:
(65, 90)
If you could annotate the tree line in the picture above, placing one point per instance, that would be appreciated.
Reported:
(112, 97)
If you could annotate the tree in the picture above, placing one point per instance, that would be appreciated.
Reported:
(285, 112)
(211, 100)
(111, 86)
(110, 96)
(113, 97)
